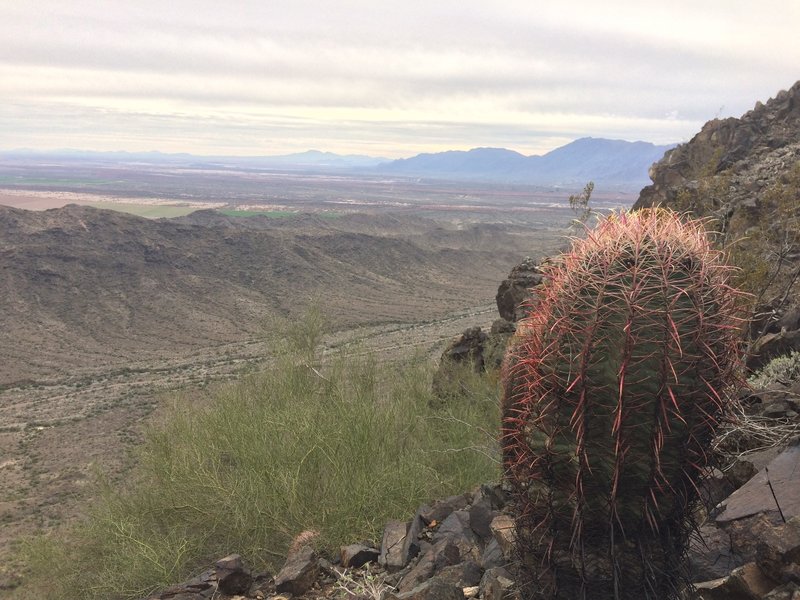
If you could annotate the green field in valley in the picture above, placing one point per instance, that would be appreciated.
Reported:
(151, 211)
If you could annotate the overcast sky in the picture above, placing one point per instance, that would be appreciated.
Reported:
(382, 77)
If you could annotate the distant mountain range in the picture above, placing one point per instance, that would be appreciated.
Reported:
(309, 159)
(595, 159)
(617, 162)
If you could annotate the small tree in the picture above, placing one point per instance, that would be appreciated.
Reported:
(579, 203)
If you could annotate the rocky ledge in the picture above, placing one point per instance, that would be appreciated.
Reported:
(457, 548)
(756, 149)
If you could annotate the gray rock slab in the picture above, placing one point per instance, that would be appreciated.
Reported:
(299, 573)
(711, 556)
(202, 587)
(480, 517)
(456, 526)
(457, 529)
(745, 583)
(392, 546)
(442, 509)
(232, 575)
(433, 589)
(496, 584)
(465, 574)
(441, 555)
(756, 497)
(502, 527)
(492, 556)
(357, 555)
(411, 545)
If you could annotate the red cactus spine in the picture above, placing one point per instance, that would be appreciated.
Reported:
(614, 387)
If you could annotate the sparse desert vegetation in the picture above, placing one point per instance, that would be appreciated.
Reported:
(339, 445)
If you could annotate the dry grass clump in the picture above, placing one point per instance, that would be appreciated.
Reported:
(336, 446)
(748, 433)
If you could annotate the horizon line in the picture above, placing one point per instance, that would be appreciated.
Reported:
(309, 151)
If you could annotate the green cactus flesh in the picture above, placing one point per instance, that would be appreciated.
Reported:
(614, 387)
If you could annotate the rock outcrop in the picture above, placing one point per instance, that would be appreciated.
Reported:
(744, 174)
(754, 151)
(229, 577)
(516, 290)
(484, 350)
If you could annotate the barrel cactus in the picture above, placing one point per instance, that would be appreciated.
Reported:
(614, 386)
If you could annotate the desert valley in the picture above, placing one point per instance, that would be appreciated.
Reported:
(106, 311)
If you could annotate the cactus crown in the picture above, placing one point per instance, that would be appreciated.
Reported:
(614, 385)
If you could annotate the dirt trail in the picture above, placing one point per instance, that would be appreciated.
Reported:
(392, 341)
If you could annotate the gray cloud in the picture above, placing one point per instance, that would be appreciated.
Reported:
(268, 77)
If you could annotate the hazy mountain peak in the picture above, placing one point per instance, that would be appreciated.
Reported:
(617, 162)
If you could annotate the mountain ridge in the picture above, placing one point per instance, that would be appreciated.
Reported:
(743, 176)
(597, 159)
(744, 173)
(84, 285)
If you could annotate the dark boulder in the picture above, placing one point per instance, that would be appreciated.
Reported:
(517, 290)
(394, 550)
(232, 576)
(357, 555)
(298, 573)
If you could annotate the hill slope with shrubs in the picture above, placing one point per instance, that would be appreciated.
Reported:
(337, 445)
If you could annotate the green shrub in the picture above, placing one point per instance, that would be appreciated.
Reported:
(780, 369)
(339, 448)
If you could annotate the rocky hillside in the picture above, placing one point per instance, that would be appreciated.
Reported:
(754, 151)
(745, 175)
(82, 286)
